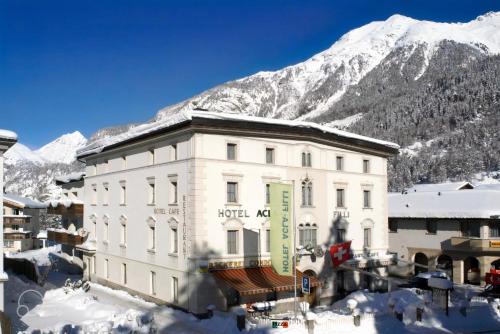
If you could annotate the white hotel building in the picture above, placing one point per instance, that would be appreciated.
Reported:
(177, 210)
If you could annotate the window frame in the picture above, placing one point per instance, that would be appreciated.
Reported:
(229, 195)
(234, 151)
(272, 152)
(229, 243)
(339, 163)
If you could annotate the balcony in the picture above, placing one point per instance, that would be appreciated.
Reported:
(65, 238)
(16, 220)
(472, 244)
(16, 235)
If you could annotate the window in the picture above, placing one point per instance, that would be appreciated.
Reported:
(106, 166)
(308, 235)
(65, 195)
(268, 193)
(151, 191)
(94, 229)
(393, 226)
(75, 194)
(93, 263)
(231, 151)
(105, 197)
(173, 192)
(232, 192)
(175, 240)
(268, 240)
(106, 230)
(173, 152)
(367, 199)
(124, 162)
(232, 242)
(339, 163)
(123, 232)
(106, 268)
(94, 168)
(152, 282)
(340, 198)
(306, 159)
(269, 155)
(94, 194)
(123, 193)
(151, 156)
(341, 235)
(470, 229)
(306, 192)
(152, 237)
(175, 290)
(494, 230)
(366, 166)
(431, 226)
(8, 243)
(367, 240)
(124, 273)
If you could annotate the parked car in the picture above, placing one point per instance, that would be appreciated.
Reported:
(421, 281)
(491, 291)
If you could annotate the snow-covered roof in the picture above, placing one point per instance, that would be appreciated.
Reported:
(435, 187)
(445, 204)
(24, 202)
(187, 116)
(64, 202)
(7, 134)
(78, 176)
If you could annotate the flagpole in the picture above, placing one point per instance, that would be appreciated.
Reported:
(294, 258)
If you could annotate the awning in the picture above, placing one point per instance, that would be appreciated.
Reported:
(251, 281)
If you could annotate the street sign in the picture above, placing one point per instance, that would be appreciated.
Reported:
(306, 284)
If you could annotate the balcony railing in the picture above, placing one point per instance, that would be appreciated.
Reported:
(16, 236)
(10, 220)
(474, 244)
(64, 238)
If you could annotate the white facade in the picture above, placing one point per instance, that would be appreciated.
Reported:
(7, 139)
(165, 210)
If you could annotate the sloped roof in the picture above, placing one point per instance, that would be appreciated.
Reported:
(24, 202)
(185, 117)
(445, 204)
(435, 187)
(73, 177)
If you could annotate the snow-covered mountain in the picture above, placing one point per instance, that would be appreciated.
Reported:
(61, 150)
(312, 88)
(402, 80)
(32, 173)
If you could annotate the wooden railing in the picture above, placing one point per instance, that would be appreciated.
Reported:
(15, 220)
(64, 238)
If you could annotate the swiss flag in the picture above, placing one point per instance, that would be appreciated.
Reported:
(340, 253)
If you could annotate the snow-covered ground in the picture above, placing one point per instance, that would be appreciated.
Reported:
(55, 308)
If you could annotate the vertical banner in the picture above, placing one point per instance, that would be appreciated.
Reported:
(281, 204)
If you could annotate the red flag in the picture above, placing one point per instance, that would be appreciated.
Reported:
(340, 253)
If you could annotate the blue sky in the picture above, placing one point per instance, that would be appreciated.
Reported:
(84, 65)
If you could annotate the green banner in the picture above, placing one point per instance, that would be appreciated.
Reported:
(281, 204)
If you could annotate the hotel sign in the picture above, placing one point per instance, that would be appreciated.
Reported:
(495, 243)
(238, 213)
(281, 228)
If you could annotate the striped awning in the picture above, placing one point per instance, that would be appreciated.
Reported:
(252, 281)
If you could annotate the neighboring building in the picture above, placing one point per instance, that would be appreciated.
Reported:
(451, 226)
(7, 140)
(21, 225)
(70, 208)
(178, 210)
